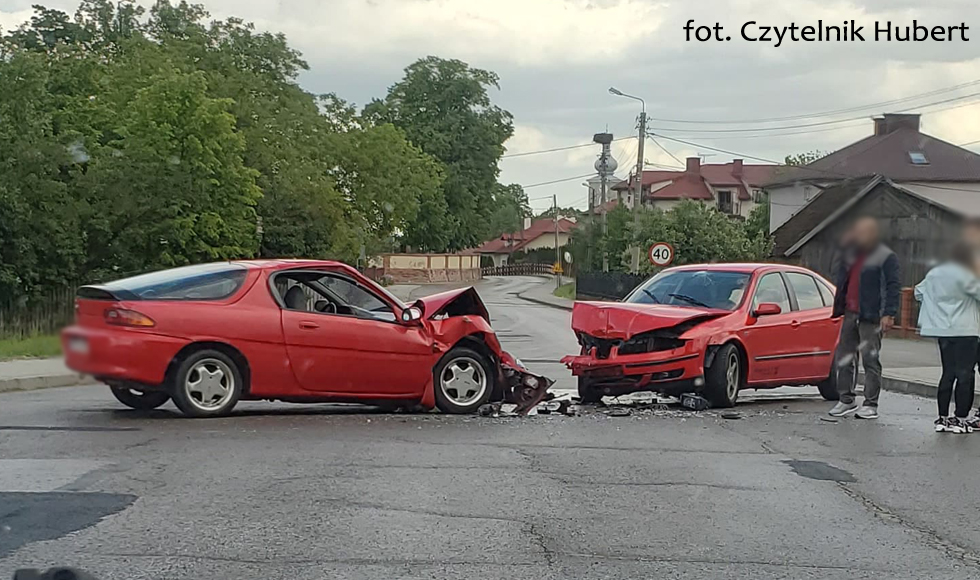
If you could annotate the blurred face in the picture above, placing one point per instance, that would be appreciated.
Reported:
(865, 233)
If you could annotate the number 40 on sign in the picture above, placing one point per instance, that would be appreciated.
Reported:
(661, 254)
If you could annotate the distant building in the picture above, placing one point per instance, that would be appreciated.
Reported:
(535, 235)
(897, 151)
(734, 188)
(918, 223)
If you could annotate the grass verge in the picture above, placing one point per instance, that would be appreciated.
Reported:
(42, 345)
(566, 291)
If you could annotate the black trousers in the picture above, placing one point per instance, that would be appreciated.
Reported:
(959, 356)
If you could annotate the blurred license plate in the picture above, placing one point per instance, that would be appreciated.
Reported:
(79, 345)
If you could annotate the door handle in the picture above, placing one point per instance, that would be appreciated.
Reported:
(795, 324)
(308, 325)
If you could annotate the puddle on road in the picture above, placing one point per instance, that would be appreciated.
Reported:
(820, 471)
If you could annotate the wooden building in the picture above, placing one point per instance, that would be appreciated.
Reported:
(918, 221)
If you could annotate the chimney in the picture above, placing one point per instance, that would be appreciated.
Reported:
(527, 223)
(737, 167)
(890, 122)
(694, 165)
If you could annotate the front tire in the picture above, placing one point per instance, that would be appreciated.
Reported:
(463, 380)
(207, 383)
(723, 379)
(139, 400)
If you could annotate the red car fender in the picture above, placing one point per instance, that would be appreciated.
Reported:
(447, 333)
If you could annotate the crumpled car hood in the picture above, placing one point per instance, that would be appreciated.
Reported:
(455, 303)
(622, 321)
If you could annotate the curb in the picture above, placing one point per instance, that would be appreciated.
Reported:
(544, 302)
(46, 382)
(905, 387)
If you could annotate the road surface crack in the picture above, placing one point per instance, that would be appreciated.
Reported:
(929, 536)
(539, 540)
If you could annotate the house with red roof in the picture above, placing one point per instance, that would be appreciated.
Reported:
(897, 150)
(536, 235)
(734, 188)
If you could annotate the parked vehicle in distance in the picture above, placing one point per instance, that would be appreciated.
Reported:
(298, 331)
(714, 329)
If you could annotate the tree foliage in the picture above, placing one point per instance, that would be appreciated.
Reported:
(444, 107)
(133, 139)
(805, 158)
(698, 232)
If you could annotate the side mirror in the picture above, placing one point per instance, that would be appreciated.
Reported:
(411, 314)
(767, 309)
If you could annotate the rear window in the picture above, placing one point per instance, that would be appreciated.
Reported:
(201, 282)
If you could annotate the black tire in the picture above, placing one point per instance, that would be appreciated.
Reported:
(586, 392)
(719, 388)
(828, 388)
(139, 400)
(189, 370)
(466, 365)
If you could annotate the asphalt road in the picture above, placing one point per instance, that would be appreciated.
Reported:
(279, 491)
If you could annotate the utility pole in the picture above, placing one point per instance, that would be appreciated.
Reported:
(554, 204)
(638, 192)
(635, 251)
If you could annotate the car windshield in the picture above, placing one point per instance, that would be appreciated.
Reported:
(200, 282)
(694, 288)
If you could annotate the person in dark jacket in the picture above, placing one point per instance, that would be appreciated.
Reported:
(868, 294)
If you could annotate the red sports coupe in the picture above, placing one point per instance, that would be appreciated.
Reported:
(714, 329)
(210, 335)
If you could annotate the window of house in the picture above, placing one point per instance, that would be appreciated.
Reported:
(918, 158)
(771, 289)
(725, 202)
(807, 293)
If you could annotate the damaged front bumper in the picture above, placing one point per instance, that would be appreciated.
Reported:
(521, 387)
(672, 372)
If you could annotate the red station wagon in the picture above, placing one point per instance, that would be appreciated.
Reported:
(714, 329)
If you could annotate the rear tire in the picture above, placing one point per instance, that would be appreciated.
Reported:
(723, 379)
(207, 383)
(139, 400)
(588, 393)
(463, 380)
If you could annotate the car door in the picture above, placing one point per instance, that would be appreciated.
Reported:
(350, 354)
(817, 331)
(770, 340)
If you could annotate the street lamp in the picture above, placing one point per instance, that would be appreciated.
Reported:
(638, 191)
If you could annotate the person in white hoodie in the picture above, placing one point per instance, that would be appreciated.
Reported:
(950, 311)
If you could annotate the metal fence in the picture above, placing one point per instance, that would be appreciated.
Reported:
(606, 285)
(517, 270)
(45, 313)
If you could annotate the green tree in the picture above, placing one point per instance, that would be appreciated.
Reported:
(805, 158)
(511, 206)
(444, 108)
(699, 234)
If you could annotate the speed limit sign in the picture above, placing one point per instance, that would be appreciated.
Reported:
(661, 254)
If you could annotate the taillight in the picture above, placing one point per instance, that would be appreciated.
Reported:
(123, 317)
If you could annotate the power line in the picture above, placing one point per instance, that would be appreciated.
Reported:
(825, 171)
(558, 181)
(827, 113)
(805, 125)
(554, 150)
(674, 157)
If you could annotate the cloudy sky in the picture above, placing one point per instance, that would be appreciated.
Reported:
(557, 58)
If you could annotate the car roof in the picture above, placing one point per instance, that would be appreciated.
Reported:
(282, 263)
(746, 267)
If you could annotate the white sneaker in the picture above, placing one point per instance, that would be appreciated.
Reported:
(843, 409)
(942, 425)
(867, 412)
